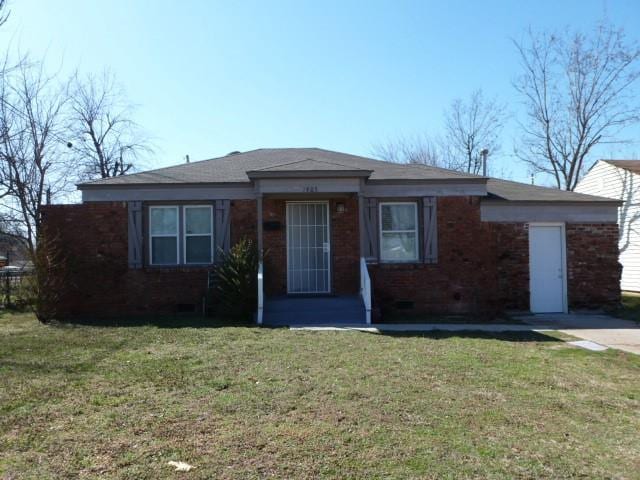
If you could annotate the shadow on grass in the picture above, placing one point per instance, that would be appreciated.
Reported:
(165, 321)
(515, 336)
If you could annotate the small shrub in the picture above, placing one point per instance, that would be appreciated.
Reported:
(43, 291)
(236, 283)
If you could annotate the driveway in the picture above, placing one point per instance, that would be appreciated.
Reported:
(602, 329)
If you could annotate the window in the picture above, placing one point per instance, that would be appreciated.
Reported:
(399, 232)
(163, 234)
(181, 235)
(198, 234)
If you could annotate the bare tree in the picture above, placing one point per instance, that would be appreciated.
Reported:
(472, 126)
(33, 164)
(417, 150)
(103, 136)
(4, 13)
(578, 92)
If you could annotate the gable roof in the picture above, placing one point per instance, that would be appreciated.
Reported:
(630, 165)
(233, 168)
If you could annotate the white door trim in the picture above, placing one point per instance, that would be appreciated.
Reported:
(563, 253)
(314, 202)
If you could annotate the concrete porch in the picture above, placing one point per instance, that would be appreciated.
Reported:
(343, 310)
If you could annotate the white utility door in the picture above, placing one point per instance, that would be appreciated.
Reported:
(547, 268)
(308, 247)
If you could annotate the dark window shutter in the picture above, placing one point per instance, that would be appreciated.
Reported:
(370, 241)
(222, 232)
(430, 227)
(135, 234)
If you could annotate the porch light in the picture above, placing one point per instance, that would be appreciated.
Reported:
(340, 207)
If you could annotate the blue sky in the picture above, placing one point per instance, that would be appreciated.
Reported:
(211, 77)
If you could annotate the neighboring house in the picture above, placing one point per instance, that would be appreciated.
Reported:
(620, 179)
(13, 251)
(336, 227)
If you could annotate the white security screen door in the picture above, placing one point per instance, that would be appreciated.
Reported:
(308, 247)
(547, 275)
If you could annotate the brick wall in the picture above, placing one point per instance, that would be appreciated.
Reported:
(94, 240)
(463, 280)
(592, 264)
(511, 253)
(482, 267)
(244, 216)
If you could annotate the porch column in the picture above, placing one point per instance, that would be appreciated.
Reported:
(361, 224)
(259, 216)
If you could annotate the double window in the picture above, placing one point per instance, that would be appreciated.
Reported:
(180, 235)
(399, 232)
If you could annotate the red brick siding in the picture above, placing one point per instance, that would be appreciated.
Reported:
(345, 246)
(482, 267)
(592, 263)
(511, 253)
(274, 243)
(94, 237)
(463, 280)
(244, 216)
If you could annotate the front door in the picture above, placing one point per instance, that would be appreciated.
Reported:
(547, 268)
(308, 247)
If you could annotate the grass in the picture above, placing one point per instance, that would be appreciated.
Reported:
(630, 309)
(242, 402)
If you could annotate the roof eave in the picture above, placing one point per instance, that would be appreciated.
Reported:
(504, 201)
(91, 186)
(427, 181)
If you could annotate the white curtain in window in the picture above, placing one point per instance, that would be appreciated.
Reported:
(163, 226)
(399, 232)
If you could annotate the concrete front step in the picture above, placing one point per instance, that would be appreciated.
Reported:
(328, 310)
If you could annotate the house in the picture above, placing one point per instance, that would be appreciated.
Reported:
(620, 179)
(348, 239)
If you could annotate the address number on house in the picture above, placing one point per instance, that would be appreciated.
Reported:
(310, 188)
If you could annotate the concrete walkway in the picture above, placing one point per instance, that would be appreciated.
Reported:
(602, 329)
(419, 327)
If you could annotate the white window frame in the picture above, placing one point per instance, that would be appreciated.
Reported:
(177, 234)
(185, 235)
(416, 231)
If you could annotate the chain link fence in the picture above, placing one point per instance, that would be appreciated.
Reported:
(16, 286)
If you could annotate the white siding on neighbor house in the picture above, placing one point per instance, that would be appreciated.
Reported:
(607, 180)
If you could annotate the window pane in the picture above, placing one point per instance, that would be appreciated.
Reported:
(164, 220)
(198, 249)
(164, 250)
(198, 219)
(398, 246)
(399, 217)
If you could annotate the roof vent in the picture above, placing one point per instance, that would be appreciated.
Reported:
(235, 152)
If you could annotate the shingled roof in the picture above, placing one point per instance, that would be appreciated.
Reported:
(233, 168)
(239, 167)
(505, 190)
(630, 165)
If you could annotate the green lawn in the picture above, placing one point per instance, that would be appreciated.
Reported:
(630, 309)
(242, 402)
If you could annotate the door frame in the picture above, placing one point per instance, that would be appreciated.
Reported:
(329, 260)
(563, 261)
